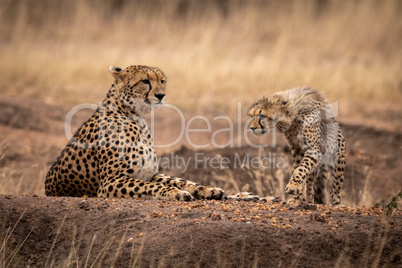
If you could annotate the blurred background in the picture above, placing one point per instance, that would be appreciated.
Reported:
(215, 53)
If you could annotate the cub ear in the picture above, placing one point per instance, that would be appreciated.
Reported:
(116, 72)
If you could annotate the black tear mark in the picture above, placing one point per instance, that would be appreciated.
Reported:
(259, 122)
(146, 95)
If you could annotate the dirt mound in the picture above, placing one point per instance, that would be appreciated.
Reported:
(81, 232)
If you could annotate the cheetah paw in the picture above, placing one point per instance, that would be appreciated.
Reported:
(202, 192)
(295, 200)
(294, 189)
(178, 195)
(184, 196)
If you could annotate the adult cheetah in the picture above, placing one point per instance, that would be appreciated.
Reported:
(112, 154)
(315, 138)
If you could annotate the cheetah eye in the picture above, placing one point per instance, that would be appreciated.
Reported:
(163, 81)
(262, 117)
(146, 82)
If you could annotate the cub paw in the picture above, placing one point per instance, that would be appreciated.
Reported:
(294, 189)
(202, 192)
(335, 200)
(296, 200)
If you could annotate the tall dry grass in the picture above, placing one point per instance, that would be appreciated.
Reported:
(214, 52)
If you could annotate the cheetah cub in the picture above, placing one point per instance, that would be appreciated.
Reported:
(315, 139)
(112, 154)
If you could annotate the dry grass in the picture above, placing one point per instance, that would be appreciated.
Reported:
(13, 180)
(212, 51)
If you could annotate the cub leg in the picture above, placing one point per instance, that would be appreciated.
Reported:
(297, 182)
(320, 185)
(309, 184)
(337, 175)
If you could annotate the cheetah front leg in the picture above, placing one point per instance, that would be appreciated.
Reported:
(337, 181)
(297, 182)
(196, 190)
(309, 185)
(320, 185)
(297, 159)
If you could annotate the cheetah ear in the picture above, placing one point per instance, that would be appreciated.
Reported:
(116, 72)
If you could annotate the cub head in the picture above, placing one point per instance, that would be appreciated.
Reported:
(139, 88)
(268, 113)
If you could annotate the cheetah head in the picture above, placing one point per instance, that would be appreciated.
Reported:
(268, 113)
(139, 88)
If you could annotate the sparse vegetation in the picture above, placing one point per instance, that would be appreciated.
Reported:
(392, 205)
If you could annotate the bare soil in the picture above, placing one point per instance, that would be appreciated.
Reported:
(38, 231)
(105, 232)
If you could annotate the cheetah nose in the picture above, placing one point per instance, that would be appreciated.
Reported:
(160, 96)
(253, 129)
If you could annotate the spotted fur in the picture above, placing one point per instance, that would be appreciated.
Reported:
(315, 138)
(112, 154)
